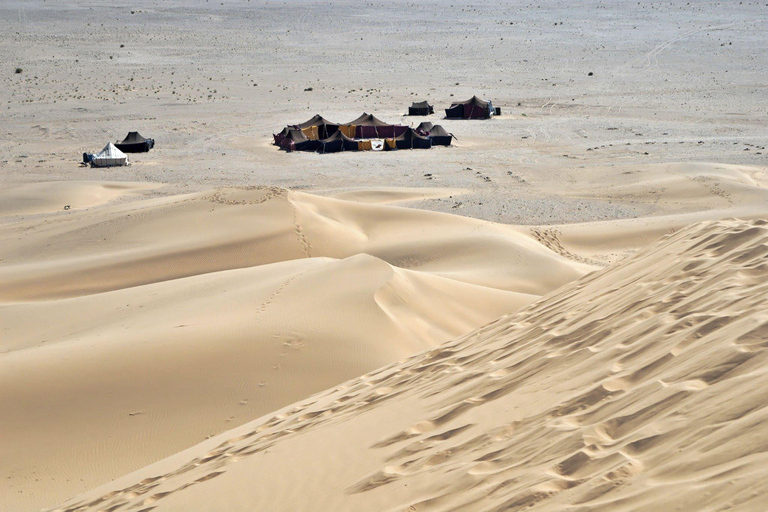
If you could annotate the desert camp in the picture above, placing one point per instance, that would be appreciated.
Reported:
(364, 133)
(565, 310)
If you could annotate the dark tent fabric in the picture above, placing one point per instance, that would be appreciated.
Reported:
(381, 132)
(295, 140)
(281, 135)
(368, 120)
(316, 120)
(436, 134)
(439, 136)
(323, 131)
(331, 146)
(473, 108)
(412, 140)
(421, 108)
(368, 126)
(424, 127)
(135, 143)
(455, 112)
(318, 134)
(338, 142)
(325, 128)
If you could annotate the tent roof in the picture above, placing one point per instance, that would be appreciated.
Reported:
(420, 104)
(425, 126)
(337, 136)
(438, 130)
(409, 134)
(368, 120)
(296, 135)
(284, 131)
(110, 151)
(316, 120)
(474, 100)
(133, 138)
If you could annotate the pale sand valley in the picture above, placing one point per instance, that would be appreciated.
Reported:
(566, 309)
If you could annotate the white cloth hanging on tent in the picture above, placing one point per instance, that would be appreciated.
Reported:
(110, 156)
(377, 144)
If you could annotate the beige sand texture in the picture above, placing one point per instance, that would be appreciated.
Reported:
(145, 327)
(640, 387)
(679, 194)
(178, 236)
(48, 197)
(147, 318)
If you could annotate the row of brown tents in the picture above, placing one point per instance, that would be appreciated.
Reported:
(367, 132)
(473, 108)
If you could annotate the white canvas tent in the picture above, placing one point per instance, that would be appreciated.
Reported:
(110, 156)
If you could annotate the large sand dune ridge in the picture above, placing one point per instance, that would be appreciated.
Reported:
(146, 326)
(640, 387)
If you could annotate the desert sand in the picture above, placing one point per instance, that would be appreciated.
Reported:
(557, 312)
(640, 387)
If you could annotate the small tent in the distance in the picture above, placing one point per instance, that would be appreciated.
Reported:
(135, 143)
(420, 108)
(473, 108)
(435, 133)
(110, 156)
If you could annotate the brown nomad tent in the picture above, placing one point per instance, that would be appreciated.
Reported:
(421, 108)
(473, 108)
(436, 134)
(316, 120)
(412, 140)
(368, 126)
(135, 143)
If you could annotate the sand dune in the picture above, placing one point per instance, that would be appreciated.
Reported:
(386, 195)
(168, 238)
(641, 387)
(681, 194)
(145, 327)
(141, 321)
(52, 196)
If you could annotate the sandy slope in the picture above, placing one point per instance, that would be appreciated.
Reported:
(145, 327)
(52, 196)
(679, 193)
(178, 236)
(641, 387)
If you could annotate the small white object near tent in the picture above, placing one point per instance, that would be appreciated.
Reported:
(110, 156)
